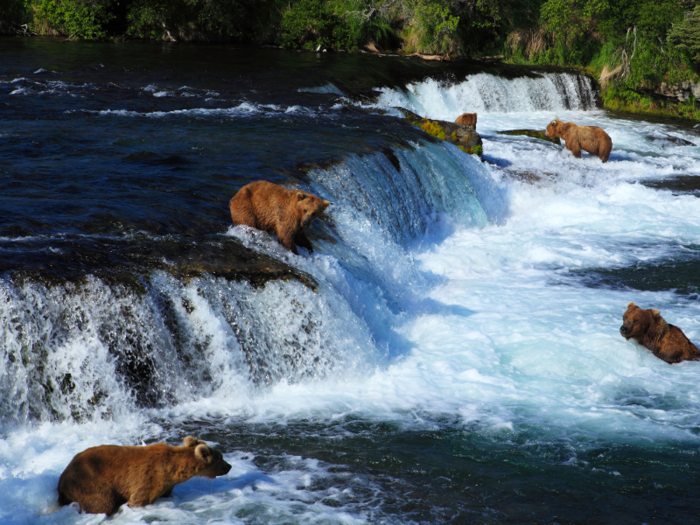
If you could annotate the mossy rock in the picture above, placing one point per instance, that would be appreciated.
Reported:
(464, 137)
(433, 128)
(535, 134)
(476, 150)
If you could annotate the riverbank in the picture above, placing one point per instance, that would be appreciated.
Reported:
(643, 55)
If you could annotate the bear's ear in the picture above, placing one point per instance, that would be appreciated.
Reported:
(301, 196)
(203, 453)
(654, 312)
(631, 305)
(326, 204)
(191, 441)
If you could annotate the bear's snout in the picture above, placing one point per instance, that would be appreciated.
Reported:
(624, 331)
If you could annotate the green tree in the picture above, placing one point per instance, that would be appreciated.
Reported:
(310, 24)
(86, 19)
(685, 35)
(436, 22)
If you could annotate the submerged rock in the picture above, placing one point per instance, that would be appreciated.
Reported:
(464, 137)
(535, 134)
(129, 263)
(534, 178)
(667, 140)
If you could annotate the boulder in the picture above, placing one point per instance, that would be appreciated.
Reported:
(534, 133)
(464, 137)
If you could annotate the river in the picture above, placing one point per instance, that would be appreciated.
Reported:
(449, 353)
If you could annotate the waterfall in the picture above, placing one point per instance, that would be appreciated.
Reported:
(485, 93)
(88, 349)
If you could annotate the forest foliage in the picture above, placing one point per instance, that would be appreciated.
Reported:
(633, 45)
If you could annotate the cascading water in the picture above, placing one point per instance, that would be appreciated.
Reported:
(449, 352)
(93, 350)
(484, 93)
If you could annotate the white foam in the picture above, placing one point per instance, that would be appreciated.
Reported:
(487, 93)
(328, 89)
(242, 110)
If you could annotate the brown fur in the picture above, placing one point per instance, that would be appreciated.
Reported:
(103, 478)
(467, 119)
(277, 210)
(649, 329)
(587, 138)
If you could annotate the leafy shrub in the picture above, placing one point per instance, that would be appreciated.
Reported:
(437, 24)
(310, 24)
(86, 19)
(685, 35)
(367, 22)
(240, 20)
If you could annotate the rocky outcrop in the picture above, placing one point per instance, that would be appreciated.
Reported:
(535, 134)
(130, 264)
(680, 91)
(464, 137)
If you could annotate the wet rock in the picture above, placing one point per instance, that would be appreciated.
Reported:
(534, 133)
(234, 262)
(667, 140)
(464, 137)
(534, 178)
(130, 262)
(680, 185)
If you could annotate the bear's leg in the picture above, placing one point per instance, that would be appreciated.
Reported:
(102, 499)
(242, 209)
(63, 499)
(143, 496)
(574, 148)
(244, 215)
(604, 152)
(287, 240)
(302, 240)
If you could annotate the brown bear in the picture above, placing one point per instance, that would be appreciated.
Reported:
(277, 210)
(103, 478)
(467, 119)
(587, 138)
(649, 329)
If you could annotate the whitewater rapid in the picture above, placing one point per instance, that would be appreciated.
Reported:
(460, 306)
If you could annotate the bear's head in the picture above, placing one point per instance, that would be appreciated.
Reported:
(212, 463)
(309, 207)
(553, 128)
(636, 322)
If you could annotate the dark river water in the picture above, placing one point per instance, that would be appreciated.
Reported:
(449, 353)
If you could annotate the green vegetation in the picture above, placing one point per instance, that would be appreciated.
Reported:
(640, 50)
(434, 129)
(476, 150)
(86, 20)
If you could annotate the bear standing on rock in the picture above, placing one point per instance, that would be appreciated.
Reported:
(103, 478)
(587, 138)
(277, 210)
(467, 119)
(649, 329)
